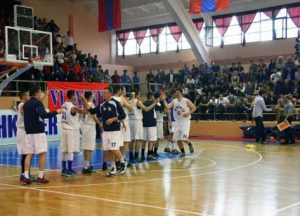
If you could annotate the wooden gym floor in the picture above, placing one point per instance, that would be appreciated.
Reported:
(221, 178)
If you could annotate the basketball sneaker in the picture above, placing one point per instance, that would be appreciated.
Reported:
(112, 172)
(86, 171)
(21, 177)
(167, 150)
(191, 146)
(151, 158)
(182, 155)
(92, 169)
(71, 173)
(175, 151)
(26, 181)
(32, 178)
(42, 180)
(123, 168)
(64, 172)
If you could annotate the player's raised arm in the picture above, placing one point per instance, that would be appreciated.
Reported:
(166, 104)
(128, 105)
(86, 105)
(43, 113)
(144, 108)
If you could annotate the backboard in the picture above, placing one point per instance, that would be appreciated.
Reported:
(21, 44)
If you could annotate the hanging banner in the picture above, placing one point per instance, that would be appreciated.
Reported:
(57, 92)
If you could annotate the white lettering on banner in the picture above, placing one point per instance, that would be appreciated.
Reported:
(8, 128)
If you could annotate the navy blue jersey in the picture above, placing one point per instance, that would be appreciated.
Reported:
(34, 115)
(109, 110)
(149, 118)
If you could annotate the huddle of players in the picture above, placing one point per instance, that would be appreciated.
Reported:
(125, 124)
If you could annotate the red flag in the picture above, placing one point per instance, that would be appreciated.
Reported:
(109, 15)
(208, 6)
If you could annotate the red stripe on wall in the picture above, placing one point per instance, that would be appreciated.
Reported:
(222, 4)
(102, 26)
(195, 6)
(117, 20)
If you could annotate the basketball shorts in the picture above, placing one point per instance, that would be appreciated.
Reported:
(181, 130)
(35, 143)
(136, 129)
(21, 141)
(150, 134)
(112, 140)
(88, 141)
(126, 133)
(160, 130)
(70, 140)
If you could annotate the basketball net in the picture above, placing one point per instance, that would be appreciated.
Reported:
(36, 62)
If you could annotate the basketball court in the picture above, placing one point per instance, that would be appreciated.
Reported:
(221, 178)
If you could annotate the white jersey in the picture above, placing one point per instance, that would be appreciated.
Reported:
(20, 117)
(87, 119)
(179, 108)
(136, 113)
(69, 121)
(159, 115)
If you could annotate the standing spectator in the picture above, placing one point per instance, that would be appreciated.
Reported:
(297, 74)
(233, 67)
(160, 80)
(215, 68)
(95, 62)
(60, 56)
(69, 42)
(150, 78)
(171, 77)
(136, 80)
(288, 114)
(257, 114)
(126, 81)
(116, 78)
(106, 77)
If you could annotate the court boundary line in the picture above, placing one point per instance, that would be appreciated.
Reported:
(144, 205)
(174, 177)
(286, 207)
(105, 199)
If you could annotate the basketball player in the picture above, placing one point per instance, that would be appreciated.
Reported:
(88, 130)
(149, 126)
(182, 109)
(119, 93)
(136, 125)
(111, 114)
(70, 133)
(24, 96)
(36, 139)
(159, 109)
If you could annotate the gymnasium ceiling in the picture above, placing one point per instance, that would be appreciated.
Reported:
(136, 13)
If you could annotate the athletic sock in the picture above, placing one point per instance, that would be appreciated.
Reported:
(172, 145)
(64, 165)
(23, 163)
(190, 143)
(26, 174)
(113, 166)
(136, 155)
(70, 165)
(131, 156)
(86, 164)
(143, 152)
(155, 150)
(41, 174)
(150, 152)
(182, 150)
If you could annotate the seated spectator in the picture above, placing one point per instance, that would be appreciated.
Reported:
(116, 78)
(233, 67)
(60, 56)
(215, 68)
(66, 66)
(290, 63)
(190, 81)
(160, 80)
(288, 74)
(280, 63)
(297, 74)
(239, 68)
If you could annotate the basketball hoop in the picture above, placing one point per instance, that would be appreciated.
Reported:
(37, 62)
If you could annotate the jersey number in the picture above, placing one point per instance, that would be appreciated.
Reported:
(64, 116)
(113, 144)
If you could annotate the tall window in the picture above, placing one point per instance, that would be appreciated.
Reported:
(266, 25)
